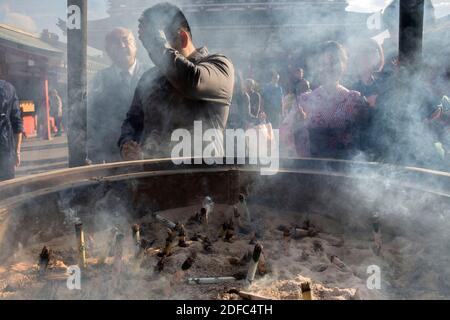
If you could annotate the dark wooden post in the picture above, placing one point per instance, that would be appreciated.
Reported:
(411, 32)
(46, 120)
(77, 80)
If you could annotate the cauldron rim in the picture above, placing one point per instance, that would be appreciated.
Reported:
(16, 191)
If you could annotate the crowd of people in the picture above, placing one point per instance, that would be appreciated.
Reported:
(359, 104)
(348, 101)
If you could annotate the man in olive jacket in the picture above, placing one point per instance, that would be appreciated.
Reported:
(186, 85)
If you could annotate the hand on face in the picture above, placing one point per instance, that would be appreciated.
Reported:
(131, 151)
(372, 100)
(151, 36)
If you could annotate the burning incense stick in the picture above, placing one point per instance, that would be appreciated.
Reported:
(306, 291)
(210, 280)
(254, 263)
(137, 239)
(81, 245)
(44, 260)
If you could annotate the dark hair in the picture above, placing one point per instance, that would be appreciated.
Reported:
(337, 51)
(169, 17)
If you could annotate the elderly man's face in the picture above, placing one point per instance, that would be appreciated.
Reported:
(122, 49)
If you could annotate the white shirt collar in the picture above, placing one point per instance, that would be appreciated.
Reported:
(131, 70)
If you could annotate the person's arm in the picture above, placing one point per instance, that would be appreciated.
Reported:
(258, 104)
(249, 118)
(18, 139)
(17, 126)
(94, 113)
(211, 80)
(132, 128)
(59, 102)
(281, 101)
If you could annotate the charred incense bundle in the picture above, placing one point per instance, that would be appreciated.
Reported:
(135, 228)
(378, 242)
(306, 291)
(228, 230)
(181, 235)
(137, 239)
(254, 263)
(171, 236)
(204, 217)
(165, 221)
(317, 246)
(312, 230)
(195, 219)
(44, 260)
(160, 265)
(307, 230)
(145, 244)
(81, 244)
(338, 262)
(208, 204)
(187, 264)
(207, 245)
(299, 233)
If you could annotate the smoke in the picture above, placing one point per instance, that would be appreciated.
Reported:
(258, 40)
(17, 19)
(367, 6)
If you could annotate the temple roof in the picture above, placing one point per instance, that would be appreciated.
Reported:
(17, 38)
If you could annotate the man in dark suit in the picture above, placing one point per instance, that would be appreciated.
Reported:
(110, 96)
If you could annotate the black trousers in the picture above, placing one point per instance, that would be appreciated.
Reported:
(7, 170)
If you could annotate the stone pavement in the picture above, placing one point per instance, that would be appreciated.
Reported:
(40, 155)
